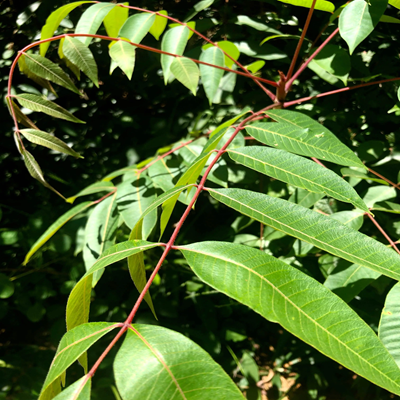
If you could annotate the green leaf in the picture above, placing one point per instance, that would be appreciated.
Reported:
(283, 294)
(395, 3)
(299, 134)
(38, 103)
(389, 324)
(81, 56)
(46, 69)
(297, 171)
(93, 188)
(53, 22)
(321, 5)
(398, 93)
(331, 63)
(378, 193)
(136, 27)
(268, 38)
(91, 20)
(100, 232)
(255, 66)
(52, 229)
(47, 140)
(75, 70)
(80, 390)
(21, 117)
(312, 227)
(229, 48)
(388, 19)
(35, 170)
(305, 198)
(359, 19)
(169, 366)
(72, 345)
(361, 174)
(6, 287)
(123, 54)
(190, 24)
(187, 73)
(79, 300)
(115, 19)
(200, 6)
(174, 41)
(387, 206)
(159, 25)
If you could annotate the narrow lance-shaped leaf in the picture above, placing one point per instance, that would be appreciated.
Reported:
(91, 20)
(76, 71)
(52, 229)
(174, 41)
(93, 188)
(187, 73)
(300, 134)
(72, 345)
(159, 25)
(80, 390)
(38, 103)
(169, 366)
(297, 171)
(359, 19)
(321, 5)
(389, 324)
(81, 56)
(283, 294)
(46, 69)
(47, 140)
(21, 117)
(312, 227)
(210, 76)
(53, 22)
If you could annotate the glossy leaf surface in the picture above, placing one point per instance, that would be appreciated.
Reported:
(137, 26)
(283, 294)
(187, 73)
(169, 366)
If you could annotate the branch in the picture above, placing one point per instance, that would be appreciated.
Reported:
(383, 232)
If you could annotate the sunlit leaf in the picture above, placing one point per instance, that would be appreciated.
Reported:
(159, 25)
(21, 117)
(191, 24)
(321, 5)
(115, 19)
(93, 188)
(123, 55)
(229, 48)
(136, 27)
(210, 76)
(80, 390)
(255, 66)
(187, 72)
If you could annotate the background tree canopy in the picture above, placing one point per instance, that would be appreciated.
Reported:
(128, 122)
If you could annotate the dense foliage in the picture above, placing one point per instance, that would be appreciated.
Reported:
(150, 138)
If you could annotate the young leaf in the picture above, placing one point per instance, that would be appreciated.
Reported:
(283, 294)
(91, 20)
(81, 56)
(389, 324)
(100, 232)
(321, 5)
(395, 3)
(115, 19)
(297, 171)
(53, 21)
(123, 55)
(46, 69)
(299, 134)
(210, 76)
(52, 229)
(229, 48)
(187, 73)
(159, 25)
(80, 390)
(174, 41)
(93, 188)
(312, 227)
(44, 139)
(38, 103)
(169, 366)
(72, 345)
(136, 27)
(359, 19)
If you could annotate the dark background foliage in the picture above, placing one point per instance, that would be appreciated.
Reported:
(128, 121)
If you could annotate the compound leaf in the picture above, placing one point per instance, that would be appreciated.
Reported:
(187, 73)
(210, 76)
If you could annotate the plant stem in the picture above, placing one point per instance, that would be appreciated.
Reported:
(383, 232)
(397, 186)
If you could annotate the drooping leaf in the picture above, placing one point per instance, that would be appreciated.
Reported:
(93, 188)
(80, 390)
(53, 228)
(81, 56)
(359, 19)
(38, 103)
(46, 69)
(21, 117)
(389, 324)
(169, 366)
(321, 5)
(174, 41)
(283, 294)
(229, 48)
(53, 22)
(72, 345)
(136, 27)
(210, 76)
(50, 141)
(75, 70)
(159, 25)
(100, 232)
(123, 55)
(299, 134)
(312, 227)
(91, 20)
(187, 73)
(297, 171)
(35, 171)
(115, 19)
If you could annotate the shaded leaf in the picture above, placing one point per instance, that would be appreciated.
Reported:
(187, 72)
(21, 117)
(159, 25)
(361, 174)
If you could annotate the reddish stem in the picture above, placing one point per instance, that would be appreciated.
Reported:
(385, 179)
(105, 196)
(313, 55)
(317, 161)
(299, 44)
(383, 232)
